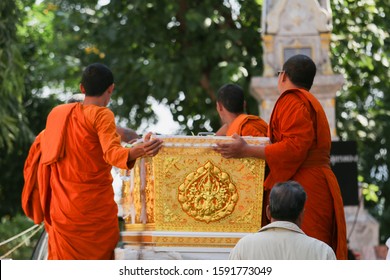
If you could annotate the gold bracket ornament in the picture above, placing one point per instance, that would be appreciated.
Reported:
(208, 194)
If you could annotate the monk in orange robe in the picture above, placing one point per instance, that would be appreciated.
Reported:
(78, 148)
(231, 106)
(31, 198)
(300, 151)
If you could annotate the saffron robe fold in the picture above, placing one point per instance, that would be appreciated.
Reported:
(31, 201)
(79, 147)
(300, 151)
(248, 125)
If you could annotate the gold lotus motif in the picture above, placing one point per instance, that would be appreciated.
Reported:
(208, 194)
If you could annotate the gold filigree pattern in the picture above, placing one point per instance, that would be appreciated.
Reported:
(247, 217)
(208, 194)
(169, 215)
(171, 164)
(136, 192)
(250, 164)
(127, 199)
(149, 191)
(148, 239)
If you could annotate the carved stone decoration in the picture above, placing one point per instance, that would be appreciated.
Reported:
(208, 194)
(297, 17)
(303, 26)
(296, 27)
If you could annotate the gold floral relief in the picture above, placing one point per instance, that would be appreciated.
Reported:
(208, 194)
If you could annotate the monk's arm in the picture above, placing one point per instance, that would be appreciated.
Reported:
(222, 130)
(127, 134)
(239, 148)
(113, 152)
(254, 151)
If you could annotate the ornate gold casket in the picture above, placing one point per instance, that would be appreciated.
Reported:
(190, 196)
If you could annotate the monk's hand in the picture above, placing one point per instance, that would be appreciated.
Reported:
(151, 146)
(148, 136)
(145, 147)
(133, 141)
(235, 149)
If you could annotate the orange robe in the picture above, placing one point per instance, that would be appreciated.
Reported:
(300, 151)
(248, 125)
(31, 201)
(79, 147)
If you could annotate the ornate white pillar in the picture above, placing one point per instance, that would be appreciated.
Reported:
(292, 27)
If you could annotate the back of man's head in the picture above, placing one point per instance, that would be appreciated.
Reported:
(96, 79)
(287, 201)
(231, 96)
(301, 70)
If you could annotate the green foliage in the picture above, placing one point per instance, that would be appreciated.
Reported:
(11, 179)
(12, 162)
(12, 123)
(10, 227)
(361, 52)
(369, 191)
(21, 95)
(178, 52)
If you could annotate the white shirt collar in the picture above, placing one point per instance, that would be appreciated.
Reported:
(284, 225)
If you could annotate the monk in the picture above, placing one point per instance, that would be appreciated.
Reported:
(31, 195)
(300, 151)
(78, 148)
(231, 106)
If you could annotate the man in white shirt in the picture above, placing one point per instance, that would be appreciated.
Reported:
(283, 239)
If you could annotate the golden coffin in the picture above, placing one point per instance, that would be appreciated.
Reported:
(189, 195)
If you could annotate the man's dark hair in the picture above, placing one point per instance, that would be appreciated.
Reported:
(286, 201)
(301, 70)
(232, 98)
(96, 79)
